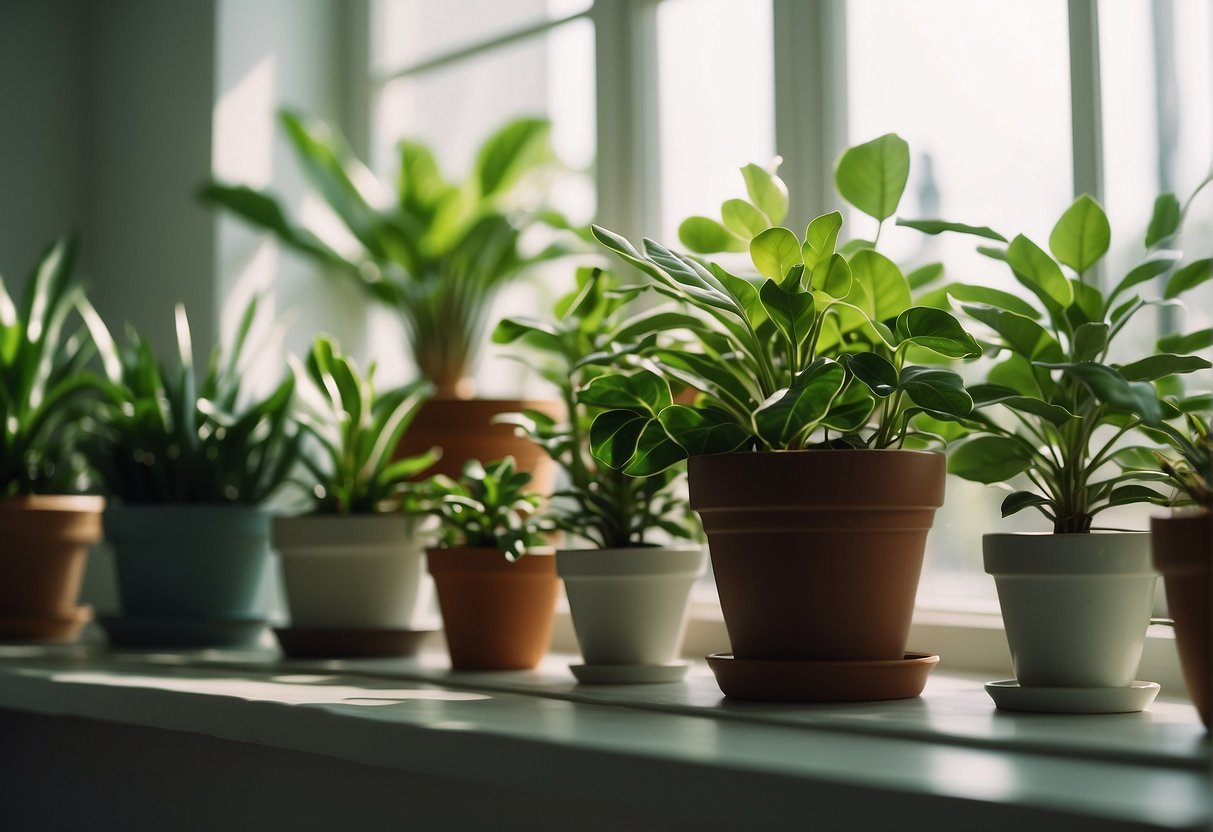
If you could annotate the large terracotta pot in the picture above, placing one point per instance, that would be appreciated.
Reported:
(464, 429)
(1183, 549)
(817, 553)
(1076, 606)
(44, 544)
(497, 615)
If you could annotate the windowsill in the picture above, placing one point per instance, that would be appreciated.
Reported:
(945, 751)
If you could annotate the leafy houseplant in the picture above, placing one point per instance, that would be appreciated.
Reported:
(352, 568)
(497, 610)
(44, 389)
(1072, 418)
(813, 358)
(187, 462)
(435, 251)
(628, 596)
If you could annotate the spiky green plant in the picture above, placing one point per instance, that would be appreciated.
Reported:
(355, 432)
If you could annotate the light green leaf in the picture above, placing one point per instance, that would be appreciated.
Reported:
(1196, 341)
(925, 275)
(820, 239)
(1165, 221)
(1143, 272)
(743, 219)
(1082, 235)
(970, 293)
(939, 226)
(767, 191)
(834, 277)
(774, 252)
(872, 176)
(1039, 272)
(888, 287)
(706, 236)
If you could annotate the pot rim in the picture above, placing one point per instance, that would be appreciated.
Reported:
(83, 503)
(688, 560)
(1121, 554)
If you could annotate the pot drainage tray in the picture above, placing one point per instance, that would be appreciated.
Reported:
(148, 632)
(352, 642)
(629, 674)
(1010, 696)
(768, 680)
(63, 626)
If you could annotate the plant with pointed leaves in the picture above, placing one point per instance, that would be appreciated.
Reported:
(162, 435)
(487, 507)
(591, 333)
(1189, 462)
(355, 431)
(436, 251)
(814, 351)
(1072, 412)
(45, 387)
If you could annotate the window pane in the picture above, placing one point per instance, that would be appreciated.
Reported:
(406, 32)
(453, 109)
(981, 93)
(716, 94)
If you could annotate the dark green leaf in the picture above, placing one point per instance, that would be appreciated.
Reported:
(1165, 220)
(642, 391)
(939, 226)
(792, 412)
(655, 452)
(1113, 389)
(939, 392)
(613, 436)
(1157, 366)
(1038, 271)
(1090, 340)
(1196, 341)
(1188, 277)
(876, 372)
(792, 312)
(936, 330)
(989, 459)
(1019, 500)
(703, 430)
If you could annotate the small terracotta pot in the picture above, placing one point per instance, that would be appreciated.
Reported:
(497, 615)
(817, 553)
(1183, 548)
(464, 429)
(44, 544)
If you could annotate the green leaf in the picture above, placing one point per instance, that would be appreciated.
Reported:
(743, 219)
(1082, 235)
(1113, 389)
(792, 311)
(1143, 272)
(935, 330)
(1020, 334)
(821, 239)
(1019, 500)
(1196, 341)
(1129, 494)
(993, 252)
(1090, 340)
(774, 252)
(851, 410)
(706, 236)
(985, 395)
(540, 331)
(938, 391)
(834, 277)
(889, 289)
(1038, 271)
(655, 452)
(1165, 221)
(989, 459)
(970, 293)
(642, 391)
(613, 436)
(872, 176)
(1188, 277)
(925, 275)
(939, 226)
(510, 152)
(703, 430)
(767, 191)
(792, 412)
(1158, 366)
(875, 372)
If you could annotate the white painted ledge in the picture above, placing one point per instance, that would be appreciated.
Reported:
(676, 756)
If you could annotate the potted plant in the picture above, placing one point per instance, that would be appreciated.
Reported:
(437, 252)
(47, 525)
(497, 605)
(628, 594)
(1182, 545)
(187, 463)
(803, 451)
(1076, 602)
(352, 568)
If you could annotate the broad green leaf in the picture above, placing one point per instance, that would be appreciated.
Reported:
(743, 219)
(613, 436)
(1165, 221)
(888, 287)
(511, 151)
(938, 391)
(1018, 373)
(1039, 272)
(1020, 334)
(872, 176)
(833, 277)
(935, 330)
(985, 395)
(1113, 389)
(767, 191)
(1196, 341)
(851, 410)
(1088, 305)
(642, 391)
(1143, 272)
(792, 311)
(792, 412)
(1082, 235)
(1159, 366)
(1129, 494)
(939, 226)
(874, 371)
(655, 452)
(989, 459)
(821, 239)
(1090, 340)
(969, 293)
(1188, 277)
(1019, 500)
(774, 252)
(509, 330)
(703, 430)
(925, 275)
(706, 236)
(851, 246)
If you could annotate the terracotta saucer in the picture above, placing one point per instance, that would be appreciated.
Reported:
(629, 674)
(333, 643)
(139, 633)
(765, 680)
(64, 626)
(1010, 696)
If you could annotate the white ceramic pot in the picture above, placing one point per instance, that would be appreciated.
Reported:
(629, 605)
(352, 572)
(1076, 606)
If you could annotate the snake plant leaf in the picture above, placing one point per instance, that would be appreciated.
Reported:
(939, 226)
(888, 287)
(774, 252)
(703, 235)
(872, 176)
(1039, 272)
(699, 431)
(1082, 236)
(1164, 220)
(743, 219)
(989, 459)
(767, 191)
(1189, 277)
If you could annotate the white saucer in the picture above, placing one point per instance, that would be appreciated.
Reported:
(629, 674)
(1008, 695)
